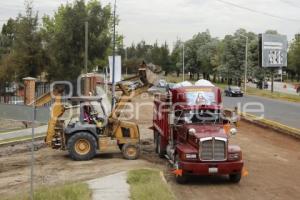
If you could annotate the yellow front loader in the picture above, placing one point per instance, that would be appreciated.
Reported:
(96, 131)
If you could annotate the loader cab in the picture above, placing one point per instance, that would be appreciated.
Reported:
(91, 116)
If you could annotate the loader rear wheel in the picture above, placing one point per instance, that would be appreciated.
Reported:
(82, 146)
(130, 151)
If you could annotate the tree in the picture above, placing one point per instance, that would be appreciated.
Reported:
(65, 38)
(156, 54)
(294, 58)
(7, 36)
(24, 54)
(200, 54)
(233, 56)
(176, 57)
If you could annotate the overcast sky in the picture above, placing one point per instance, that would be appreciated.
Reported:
(167, 20)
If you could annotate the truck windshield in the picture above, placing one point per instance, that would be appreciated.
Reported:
(202, 116)
(201, 97)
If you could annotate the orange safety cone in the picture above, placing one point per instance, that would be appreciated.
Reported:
(227, 128)
(245, 172)
(177, 172)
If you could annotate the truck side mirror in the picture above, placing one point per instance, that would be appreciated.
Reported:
(171, 118)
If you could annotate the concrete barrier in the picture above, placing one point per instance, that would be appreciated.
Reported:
(276, 126)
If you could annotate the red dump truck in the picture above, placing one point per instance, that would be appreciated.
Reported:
(191, 131)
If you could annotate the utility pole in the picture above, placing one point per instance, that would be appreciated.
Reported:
(281, 77)
(272, 80)
(126, 60)
(32, 151)
(86, 46)
(246, 63)
(114, 60)
(183, 62)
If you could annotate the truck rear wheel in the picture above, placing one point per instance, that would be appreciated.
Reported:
(160, 151)
(130, 151)
(155, 135)
(82, 146)
(235, 178)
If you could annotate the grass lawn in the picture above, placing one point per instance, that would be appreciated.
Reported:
(267, 94)
(21, 139)
(274, 95)
(147, 184)
(11, 130)
(76, 191)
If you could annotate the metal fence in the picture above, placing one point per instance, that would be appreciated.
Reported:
(12, 93)
(41, 88)
(12, 99)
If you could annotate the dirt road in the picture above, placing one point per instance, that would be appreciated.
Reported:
(272, 159)
(273, 162)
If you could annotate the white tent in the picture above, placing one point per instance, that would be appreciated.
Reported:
(203, 82)
(183, 84)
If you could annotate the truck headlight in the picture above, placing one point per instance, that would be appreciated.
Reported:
(192, 131)
(190, 156)
(235, 156)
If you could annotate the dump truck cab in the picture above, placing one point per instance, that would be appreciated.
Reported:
(190, 129)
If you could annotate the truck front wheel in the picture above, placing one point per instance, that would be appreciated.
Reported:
(235, 178)
(183, 178)
(82, 146)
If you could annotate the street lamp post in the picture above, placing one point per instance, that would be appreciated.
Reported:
(114, 59)
(183, 61)
(246, 62)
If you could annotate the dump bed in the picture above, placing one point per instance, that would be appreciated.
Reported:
(161, 112)
(183, 98)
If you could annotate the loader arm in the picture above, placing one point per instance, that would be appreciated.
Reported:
(148, 78)
(42, 100)
(56, 112)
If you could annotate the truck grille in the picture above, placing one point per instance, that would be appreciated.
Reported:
(213, 149)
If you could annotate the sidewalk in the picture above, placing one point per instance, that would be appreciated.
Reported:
(110, 187)
(23, 133)
(281, 87)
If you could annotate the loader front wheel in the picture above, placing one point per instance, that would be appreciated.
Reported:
(130, 151)
(82, 146)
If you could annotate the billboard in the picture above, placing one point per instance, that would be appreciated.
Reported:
(118, 69)
(273, 50)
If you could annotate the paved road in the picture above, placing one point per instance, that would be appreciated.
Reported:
(287, 113)
(273, 163)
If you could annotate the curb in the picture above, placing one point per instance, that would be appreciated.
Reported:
(276, 126)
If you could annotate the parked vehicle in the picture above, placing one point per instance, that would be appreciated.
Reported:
(232, 91)
(191, 132)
